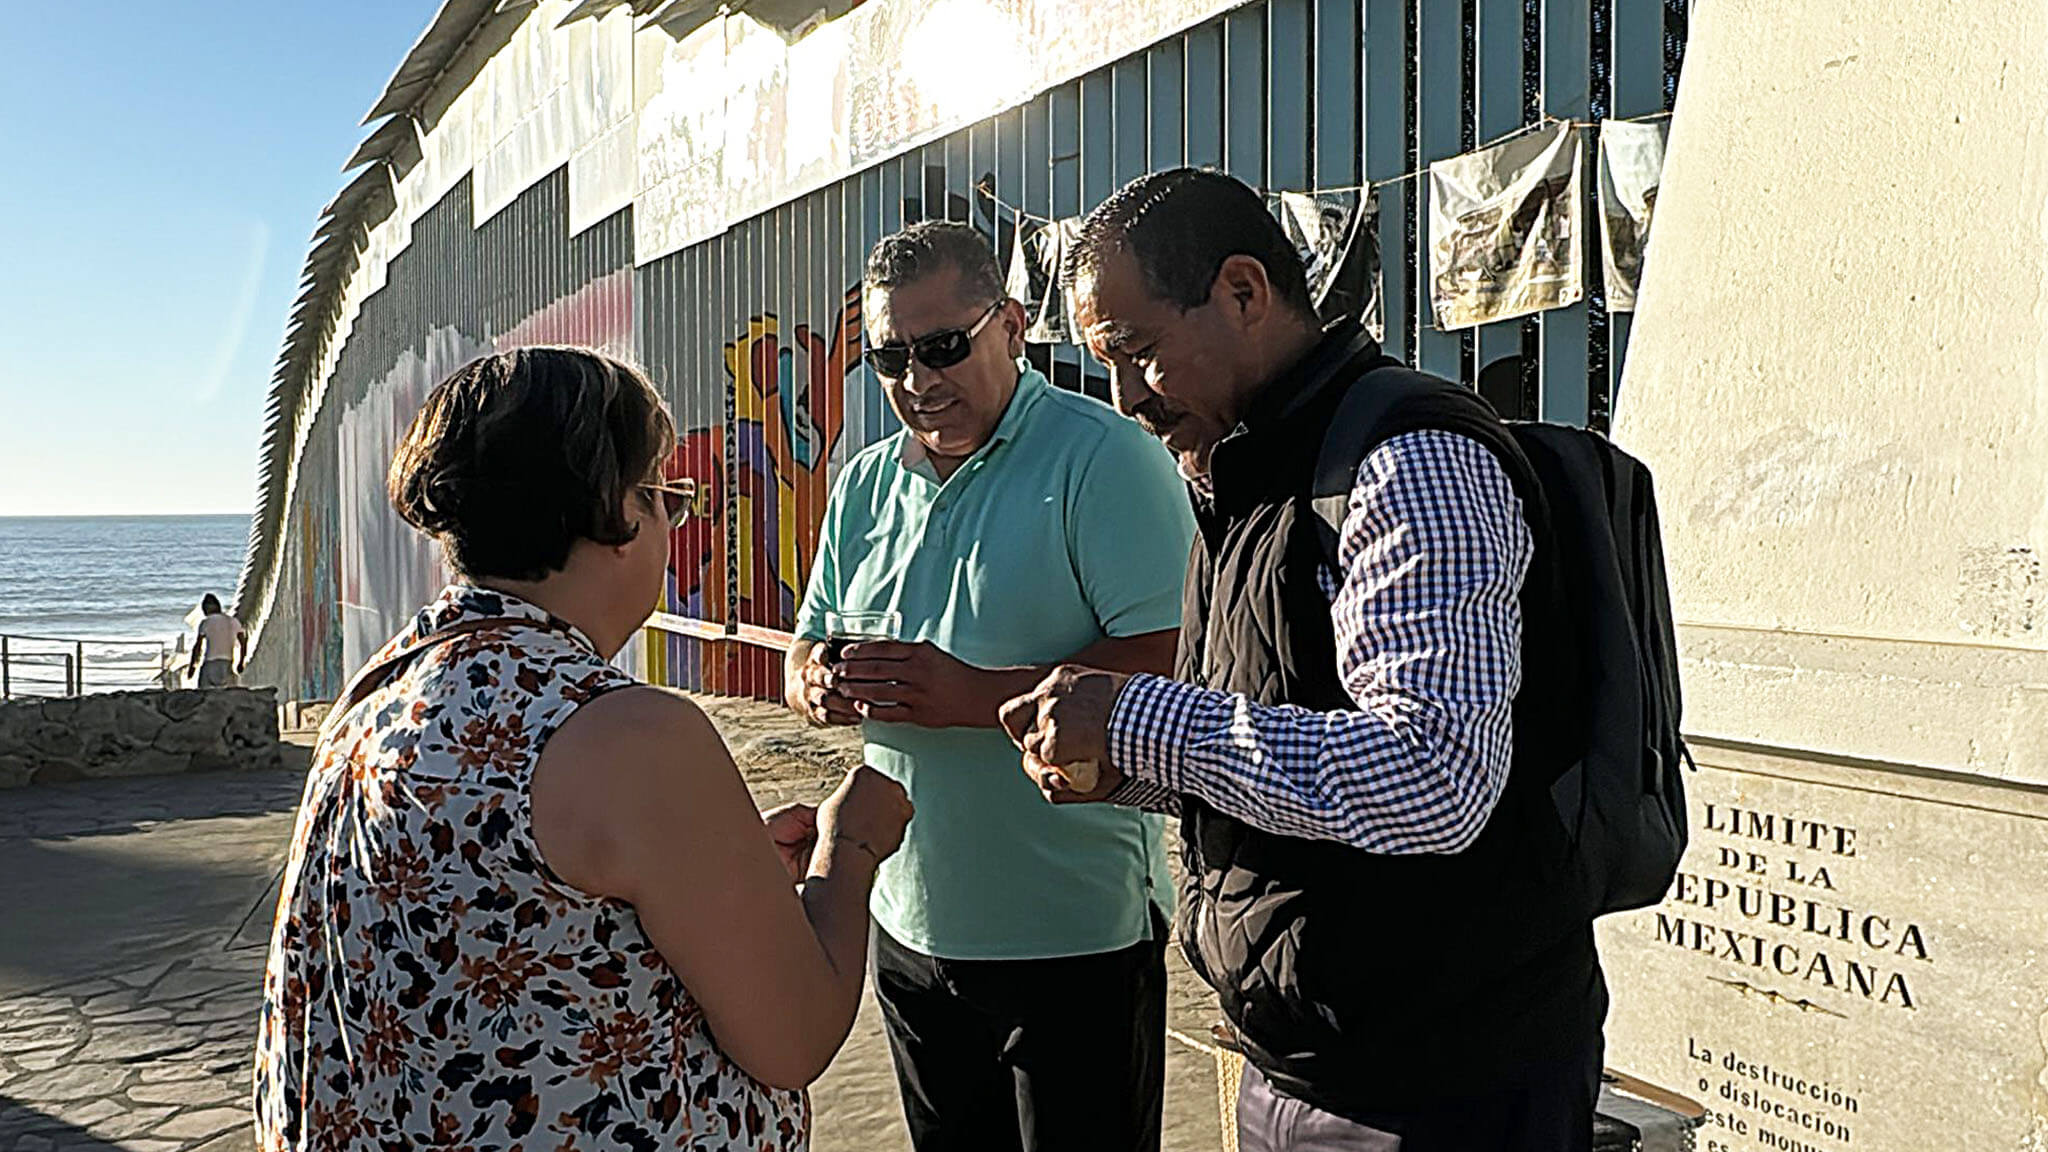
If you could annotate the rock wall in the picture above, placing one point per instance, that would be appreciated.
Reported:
(137, 734)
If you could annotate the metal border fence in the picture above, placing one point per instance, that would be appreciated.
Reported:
(754, 335)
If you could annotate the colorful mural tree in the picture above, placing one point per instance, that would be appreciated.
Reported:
(789, 419)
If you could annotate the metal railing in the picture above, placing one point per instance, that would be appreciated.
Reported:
(45, 666)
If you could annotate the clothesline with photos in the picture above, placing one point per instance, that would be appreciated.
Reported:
(987, 185)
(1504, 223)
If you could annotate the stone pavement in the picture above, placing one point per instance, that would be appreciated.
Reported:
(132, 946)
(127, 998)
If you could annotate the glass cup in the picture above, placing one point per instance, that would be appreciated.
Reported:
(844, 628)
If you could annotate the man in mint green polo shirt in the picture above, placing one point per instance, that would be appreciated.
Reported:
(1012, 526)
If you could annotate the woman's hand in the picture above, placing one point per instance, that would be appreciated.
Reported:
(794, 828)
(868, 810)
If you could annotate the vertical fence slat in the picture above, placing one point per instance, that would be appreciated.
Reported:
(1638, 91)
(1599, 323)
(892, 197)
(732, 273)
(1500, 111)
(1166, 80)
(806, 311)
(1386, 116)
(1009, 172)
(1098, 180)
(1567, 31)
(959, 181)
(981, 163)
(1129, 87)
(1098, 138)
(1244, 87)
(1440, 134)
(1065, 156)
(1036, 142)
(1335, 60)
(764, 298)
(1064, 111)
(1290, 116)
(693, 296)
(1204, 109)
(864, 410)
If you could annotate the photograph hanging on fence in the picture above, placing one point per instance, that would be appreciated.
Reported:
(1036, 259)
(1505, 227)
(1631, 162)
(1338, 237)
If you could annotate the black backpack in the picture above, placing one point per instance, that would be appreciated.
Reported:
(1622, 797)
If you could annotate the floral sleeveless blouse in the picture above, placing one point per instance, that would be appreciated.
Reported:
(431, 984)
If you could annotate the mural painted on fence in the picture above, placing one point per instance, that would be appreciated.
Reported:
(794, 413)
(319, 587)
(386, 570)
(789, 410)
(597, 315)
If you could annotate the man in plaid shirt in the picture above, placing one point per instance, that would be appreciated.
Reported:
(1374, 868)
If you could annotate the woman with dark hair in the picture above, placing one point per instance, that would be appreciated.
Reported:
(529, 902)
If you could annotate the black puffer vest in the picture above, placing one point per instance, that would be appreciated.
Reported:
(1367, 983)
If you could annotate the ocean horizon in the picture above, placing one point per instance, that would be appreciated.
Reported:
(115, 577)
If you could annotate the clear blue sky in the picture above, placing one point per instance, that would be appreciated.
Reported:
(161, 167)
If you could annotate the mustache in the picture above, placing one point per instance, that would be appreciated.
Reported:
(928, 400)
(1155, 417)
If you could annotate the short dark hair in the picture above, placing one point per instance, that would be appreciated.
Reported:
(209, 604)
(929, 246)
(1181, 225)
(518, 455)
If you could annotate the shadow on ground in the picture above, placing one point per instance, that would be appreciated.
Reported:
(23, 1126)
(111, 874)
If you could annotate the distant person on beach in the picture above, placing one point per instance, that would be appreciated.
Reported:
(220, 648)
(529, 902)
(1019, 948)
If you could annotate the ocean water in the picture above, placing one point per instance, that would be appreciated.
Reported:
(115, 577)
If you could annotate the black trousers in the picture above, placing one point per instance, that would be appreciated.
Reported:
(1062, 1055)
(1548, 1110)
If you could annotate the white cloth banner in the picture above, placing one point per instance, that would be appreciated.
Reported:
(604, 173)
(681, 136)
(523, 130)
(1631, 162)
(1506, 229)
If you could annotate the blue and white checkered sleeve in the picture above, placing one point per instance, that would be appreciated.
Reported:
(1428, 622)
(1152, 722)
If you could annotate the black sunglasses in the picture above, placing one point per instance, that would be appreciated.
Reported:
(938, 350)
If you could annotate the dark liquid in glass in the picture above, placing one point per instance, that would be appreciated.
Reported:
(835, 648)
